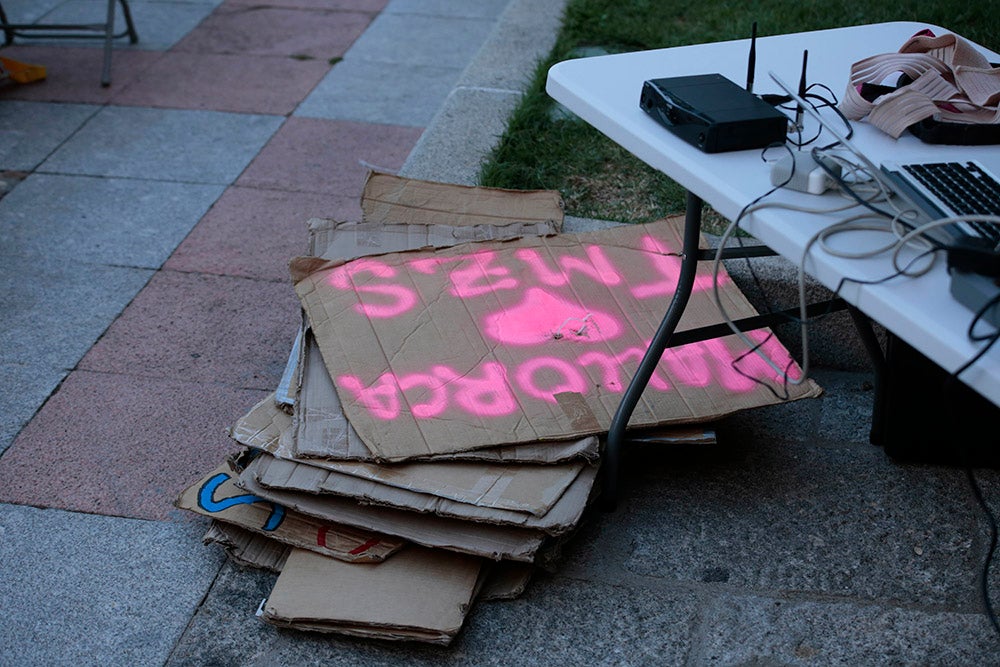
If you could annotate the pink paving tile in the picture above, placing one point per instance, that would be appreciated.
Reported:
(74, 74)
(332, 157)
(254, 233)
(259, 84)
(274, 31)
(202, 328)
(373, 6)
(121, 445)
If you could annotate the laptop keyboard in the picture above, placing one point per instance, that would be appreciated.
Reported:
(965, 188)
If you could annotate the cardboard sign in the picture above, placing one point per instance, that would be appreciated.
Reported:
(486, 344)
(218, 497)
(321, 431)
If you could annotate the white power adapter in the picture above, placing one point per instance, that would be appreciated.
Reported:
(800, 171)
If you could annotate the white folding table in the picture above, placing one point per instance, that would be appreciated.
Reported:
(604, 92)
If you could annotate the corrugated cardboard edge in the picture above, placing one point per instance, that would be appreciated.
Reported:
(506, 581)
(421, 594)
(246, 548)
(476, 539)
(284, 475)
(224, 501)
(321, 432)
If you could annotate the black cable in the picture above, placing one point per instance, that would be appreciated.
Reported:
(977, 492)
(984, 577)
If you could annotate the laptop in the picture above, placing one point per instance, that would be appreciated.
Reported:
(933, 190)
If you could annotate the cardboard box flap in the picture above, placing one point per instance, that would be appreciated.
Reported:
(393, 199)
(419, 593)
(477, 539)
(217, 496)
(532, 339)
(253, 550)
(289, 476)
(321, 431)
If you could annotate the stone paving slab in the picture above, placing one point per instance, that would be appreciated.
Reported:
(271, 85)
(558, 621)
(54, 311)
(466, 129)
(158, 144)
(123, 222)
(481, 9)
(122, 445)
(254, 233)
(25, 387)
(407, 94)
(328, 157)
(159, 24)
(414, 39)
(371, 6)
(522, 37)
(81, 589)
(30, 131)
(28, 11)
(73, 74)
(216, 330)
(749, 630)
(261, 30)
(763, 512)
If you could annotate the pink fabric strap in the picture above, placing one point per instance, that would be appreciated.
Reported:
(951, 82)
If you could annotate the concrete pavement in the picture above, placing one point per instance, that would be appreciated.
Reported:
(145, 305)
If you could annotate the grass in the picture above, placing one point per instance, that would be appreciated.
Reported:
(544, 148)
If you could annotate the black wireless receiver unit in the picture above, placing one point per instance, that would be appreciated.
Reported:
(713, 113)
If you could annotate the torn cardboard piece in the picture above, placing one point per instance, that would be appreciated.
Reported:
(246, 548)
(218, 497)
(533, 339)
(477, 539)
(262, 426)
(506, 580)
(394, 199)
(565, 514)
(419, 594)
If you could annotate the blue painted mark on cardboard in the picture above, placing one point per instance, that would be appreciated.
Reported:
(207, 501)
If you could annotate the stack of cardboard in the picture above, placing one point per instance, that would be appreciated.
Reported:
(436, 436)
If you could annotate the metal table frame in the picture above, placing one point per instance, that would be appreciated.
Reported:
(666, 336)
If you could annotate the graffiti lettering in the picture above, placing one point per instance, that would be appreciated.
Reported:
(492, 390)
(397, 298)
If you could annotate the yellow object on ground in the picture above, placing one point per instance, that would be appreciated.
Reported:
(20, 72)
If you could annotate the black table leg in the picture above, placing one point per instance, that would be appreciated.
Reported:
(660, 342)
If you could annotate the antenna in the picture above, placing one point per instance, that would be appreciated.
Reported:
(752, 62)
(802, 90)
